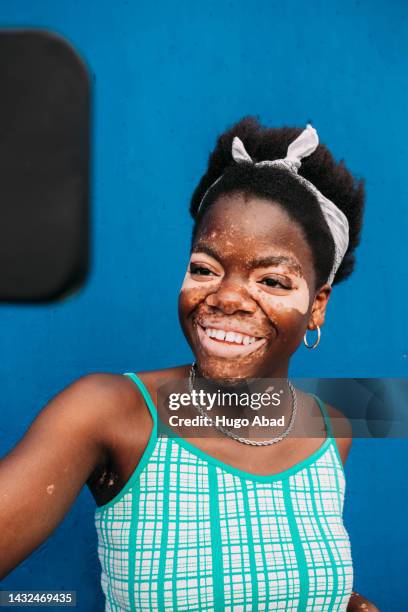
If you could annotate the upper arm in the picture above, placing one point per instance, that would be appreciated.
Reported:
(342, 431)
(43, 474)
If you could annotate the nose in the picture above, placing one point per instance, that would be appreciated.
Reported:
(231, 297)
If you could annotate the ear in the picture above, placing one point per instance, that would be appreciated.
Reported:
(318, 311)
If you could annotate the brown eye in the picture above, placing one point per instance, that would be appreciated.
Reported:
(274, 282)
(201, 270)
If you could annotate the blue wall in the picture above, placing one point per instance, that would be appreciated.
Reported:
(168, 77)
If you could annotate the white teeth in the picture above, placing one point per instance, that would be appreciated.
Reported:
(230, 336)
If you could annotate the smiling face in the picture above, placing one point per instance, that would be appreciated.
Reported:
(249, 293)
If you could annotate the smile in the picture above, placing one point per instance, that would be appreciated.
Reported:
(223, 343)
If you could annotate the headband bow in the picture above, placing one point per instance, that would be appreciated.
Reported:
(303, 146)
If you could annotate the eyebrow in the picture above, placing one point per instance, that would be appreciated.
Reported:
(258, 262)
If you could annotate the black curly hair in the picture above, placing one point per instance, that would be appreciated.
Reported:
(331, 179)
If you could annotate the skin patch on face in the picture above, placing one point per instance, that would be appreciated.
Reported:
(191, 283)
(50, 489)
(297, 299)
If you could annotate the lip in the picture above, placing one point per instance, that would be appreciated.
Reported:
(220, 348)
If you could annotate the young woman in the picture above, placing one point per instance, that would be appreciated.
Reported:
(219, 522)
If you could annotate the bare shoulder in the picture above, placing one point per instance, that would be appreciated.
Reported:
(87, 400)
(111, 394)
(112, 402)
(123, 404)
(96, 395)
(116, 403)
(99, 404)
(342, 430)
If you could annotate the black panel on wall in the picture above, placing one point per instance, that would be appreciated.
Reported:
(44, 167)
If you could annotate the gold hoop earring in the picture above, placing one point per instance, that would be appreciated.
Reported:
(312, 346)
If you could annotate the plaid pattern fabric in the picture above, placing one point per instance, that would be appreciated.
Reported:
(188, 532)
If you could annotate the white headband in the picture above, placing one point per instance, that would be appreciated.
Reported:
(301, 147)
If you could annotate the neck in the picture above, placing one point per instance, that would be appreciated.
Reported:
(252, 387)
(280, 371)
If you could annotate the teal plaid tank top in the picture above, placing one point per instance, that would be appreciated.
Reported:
(189, 532)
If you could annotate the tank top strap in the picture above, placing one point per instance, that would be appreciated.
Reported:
(325, 414)
(146, 395)
(329, 430)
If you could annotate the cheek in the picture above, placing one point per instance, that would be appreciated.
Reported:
(193, 292)
(295, 303)
(188, 282)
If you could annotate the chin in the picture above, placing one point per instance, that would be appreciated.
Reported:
(225, 370)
